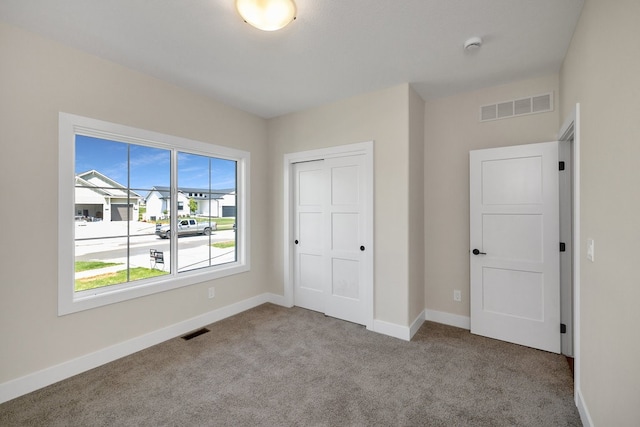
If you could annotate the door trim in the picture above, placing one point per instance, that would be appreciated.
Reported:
(569, 131)
(362, 148)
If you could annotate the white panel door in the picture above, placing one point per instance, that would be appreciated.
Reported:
(514, 237)
(310, 195)
(346, 293)
(330, 237)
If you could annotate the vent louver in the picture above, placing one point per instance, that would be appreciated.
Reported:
(194, 334)
(522, 106)
(517, 107)
(488, 113)
(505, 109)
(542, 103)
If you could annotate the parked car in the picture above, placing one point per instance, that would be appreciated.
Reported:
(186, 226)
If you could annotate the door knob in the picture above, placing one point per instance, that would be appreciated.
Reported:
(362, 248)
(296, 242)
(477, 252)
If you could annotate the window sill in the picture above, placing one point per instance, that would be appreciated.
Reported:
(86, 300)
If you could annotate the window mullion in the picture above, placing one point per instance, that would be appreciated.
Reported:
(128, 212)
(173, 212)
(210, 248)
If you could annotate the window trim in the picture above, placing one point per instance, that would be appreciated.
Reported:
(71, 125)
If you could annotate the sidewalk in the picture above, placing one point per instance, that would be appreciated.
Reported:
(100, 271)
(190, 258)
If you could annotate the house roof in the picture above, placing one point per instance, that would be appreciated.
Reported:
(105, 185)
(215, 193)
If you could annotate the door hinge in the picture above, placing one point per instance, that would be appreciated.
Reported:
(563, 328)
(563, 247)
(561, 165)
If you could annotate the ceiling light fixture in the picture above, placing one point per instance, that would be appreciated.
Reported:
(267, 15)
(473, 43)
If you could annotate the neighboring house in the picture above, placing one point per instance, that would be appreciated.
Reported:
(227, 205)
(99, 197)
(217, 203)
(158, 201)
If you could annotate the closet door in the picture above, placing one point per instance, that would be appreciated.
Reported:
(330, 237)
(309, 205)
(346, 245)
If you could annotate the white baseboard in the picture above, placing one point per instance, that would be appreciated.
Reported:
(456, 320)
(585, 417)
(392, 330)
(415, 325)
(397, 331)
(34, 381)
(278, 300)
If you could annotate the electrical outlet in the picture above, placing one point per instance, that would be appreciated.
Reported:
(212, 292)
(457, 295)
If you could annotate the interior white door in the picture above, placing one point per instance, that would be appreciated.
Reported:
(514, 237)
(330, 237)
(309, 205)
(346, 247)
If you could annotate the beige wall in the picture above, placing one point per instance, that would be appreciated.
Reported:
(379, 116)
(39, 78)
(416, 206)
(601, 72)
(452, 129)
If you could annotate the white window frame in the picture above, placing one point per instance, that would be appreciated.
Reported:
(70, 301)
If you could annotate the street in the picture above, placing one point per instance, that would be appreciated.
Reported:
(98, 242)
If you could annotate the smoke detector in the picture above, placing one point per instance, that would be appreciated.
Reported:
(473, 43)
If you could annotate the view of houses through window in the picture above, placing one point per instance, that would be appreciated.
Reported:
(126, 217)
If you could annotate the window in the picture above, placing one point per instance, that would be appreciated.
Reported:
(138, 232)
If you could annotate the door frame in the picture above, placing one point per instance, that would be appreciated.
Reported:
(361, 148)
(570, 132)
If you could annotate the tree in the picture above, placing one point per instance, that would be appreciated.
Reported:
(193, 205)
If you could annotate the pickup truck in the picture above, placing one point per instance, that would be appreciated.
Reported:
(186, 226)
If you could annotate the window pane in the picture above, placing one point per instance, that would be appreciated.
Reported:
(100, 262)
(206, 187)
(224, 175)
(112, 237)
(150, 167)
(113, 265)
(149, 170)
(101, 172)
(108, 159)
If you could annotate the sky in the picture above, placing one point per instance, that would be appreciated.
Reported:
(150, 167)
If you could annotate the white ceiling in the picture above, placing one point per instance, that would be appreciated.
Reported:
(333, 50)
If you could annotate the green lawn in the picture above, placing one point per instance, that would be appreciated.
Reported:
(92, 265)
(224, 245)
(117, 278)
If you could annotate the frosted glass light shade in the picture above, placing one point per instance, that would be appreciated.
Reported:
(267, 15)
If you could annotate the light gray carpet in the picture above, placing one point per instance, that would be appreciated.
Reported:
(274, 366)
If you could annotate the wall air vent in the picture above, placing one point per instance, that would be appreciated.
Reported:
(517, 107)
